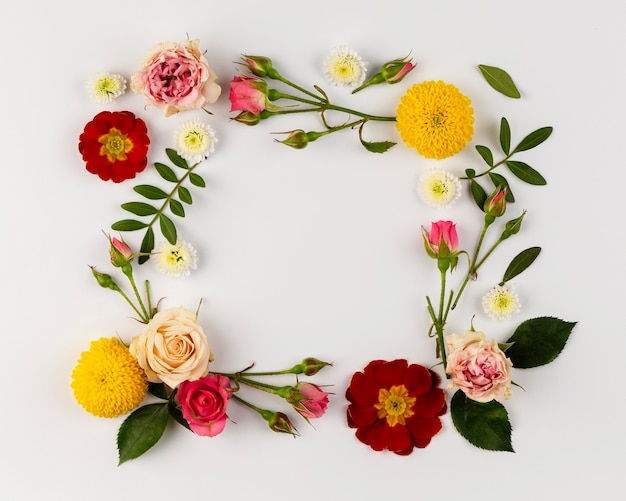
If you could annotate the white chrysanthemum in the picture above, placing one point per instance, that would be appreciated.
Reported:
(106, 87)
(343, 66)
(439, 188)
(501, 302)
(175, 260)
(195, 141)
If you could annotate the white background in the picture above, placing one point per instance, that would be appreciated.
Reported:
(315, 252)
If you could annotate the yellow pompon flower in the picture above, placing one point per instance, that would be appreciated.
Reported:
(436, 119)
(107, 380)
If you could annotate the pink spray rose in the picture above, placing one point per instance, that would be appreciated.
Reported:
(176, 77)
(248, 94)
(204, 402)
(478, 367)
(315, 400)
(442, 239)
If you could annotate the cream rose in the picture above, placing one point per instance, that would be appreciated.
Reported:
(478, 367)
(172, 348)
(176, 77)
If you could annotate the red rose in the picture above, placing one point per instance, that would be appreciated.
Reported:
(114, 145)
(204, 402)
(395, 406)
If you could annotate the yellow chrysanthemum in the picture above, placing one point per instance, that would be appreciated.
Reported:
(107, 380)
(436, 119)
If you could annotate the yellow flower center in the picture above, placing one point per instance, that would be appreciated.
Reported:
(395, 405)
(115, 145)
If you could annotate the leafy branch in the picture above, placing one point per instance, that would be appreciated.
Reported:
(173, 201)
(521, 170)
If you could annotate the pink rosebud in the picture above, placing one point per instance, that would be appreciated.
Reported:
(279, 422)
(394, 71)
(248, 94)
(495, 205)
(204, 402)
(315, 400)
(119, 252)
(442, 241)
(258, 65)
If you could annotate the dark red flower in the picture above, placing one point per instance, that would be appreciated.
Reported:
(395, 406)
(114, 145)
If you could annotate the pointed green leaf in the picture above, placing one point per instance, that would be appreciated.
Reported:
(176, 412)
(166, 172)
(150, 192)
(486, 154)
(538, 341)
(378, 146)
(141, 430)
(520, 262)
(158, 390)
(128, 225)
(177, 208)
(485, 425)
(196, 180)
(505, 136)
(176, 159)
(470, 173)
(499, 180)
(168, 229)
(526, 173)
(139, 208)
(184, 195)
(147, 244)
(479, 194)
(500, 80)
(533, 139)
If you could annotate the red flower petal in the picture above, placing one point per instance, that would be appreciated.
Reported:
(430, 404)
(423, 429)
(394, 438)
(392, 373)
(418, 379)
(363, 390)
(362, 415)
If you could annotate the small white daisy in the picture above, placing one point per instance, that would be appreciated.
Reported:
(343, 66)
(439, 188)
(195, 141)
(104, 88)
(175, 260)
(501, 302)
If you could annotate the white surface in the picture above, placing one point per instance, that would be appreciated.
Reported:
(315, 252)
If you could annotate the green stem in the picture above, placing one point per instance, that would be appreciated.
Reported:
(490, 168)
(472, 267)
(132, 305)
(131, 279)
(267, 415)
(149, 297)
(325, 105)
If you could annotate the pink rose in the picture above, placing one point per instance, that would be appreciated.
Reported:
(441, 232)
(248, 94)
(315, 400)
(176, 77)
(478, 367)
(203, 403)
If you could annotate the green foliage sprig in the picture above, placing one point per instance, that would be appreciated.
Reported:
(172, 201)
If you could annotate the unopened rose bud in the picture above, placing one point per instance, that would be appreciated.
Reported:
(299, 139)
(120, 253)
(104, 280)
(258, 65)
(311, 366)
(247, 118)
(394, 71)
(495, 205)
(280, 423)
(512, 227)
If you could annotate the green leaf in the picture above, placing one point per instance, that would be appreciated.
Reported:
(533, 139)
(166, 172)
(499, 180)
(176, 412)
(168, 229)
(505, 136)
(158, 390)
(538, 341)
(184, 195)
(479, 194)
(500, 80)
(141, 430)
(128, 225)
(139, 208)
(147, 244)
(196, 180)
(177, 208)
(470, 173)
(378, 146)
(176, 159)
(520, 262)
(150, 192)
(486, 154)
(485, 425)
(526, 173)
